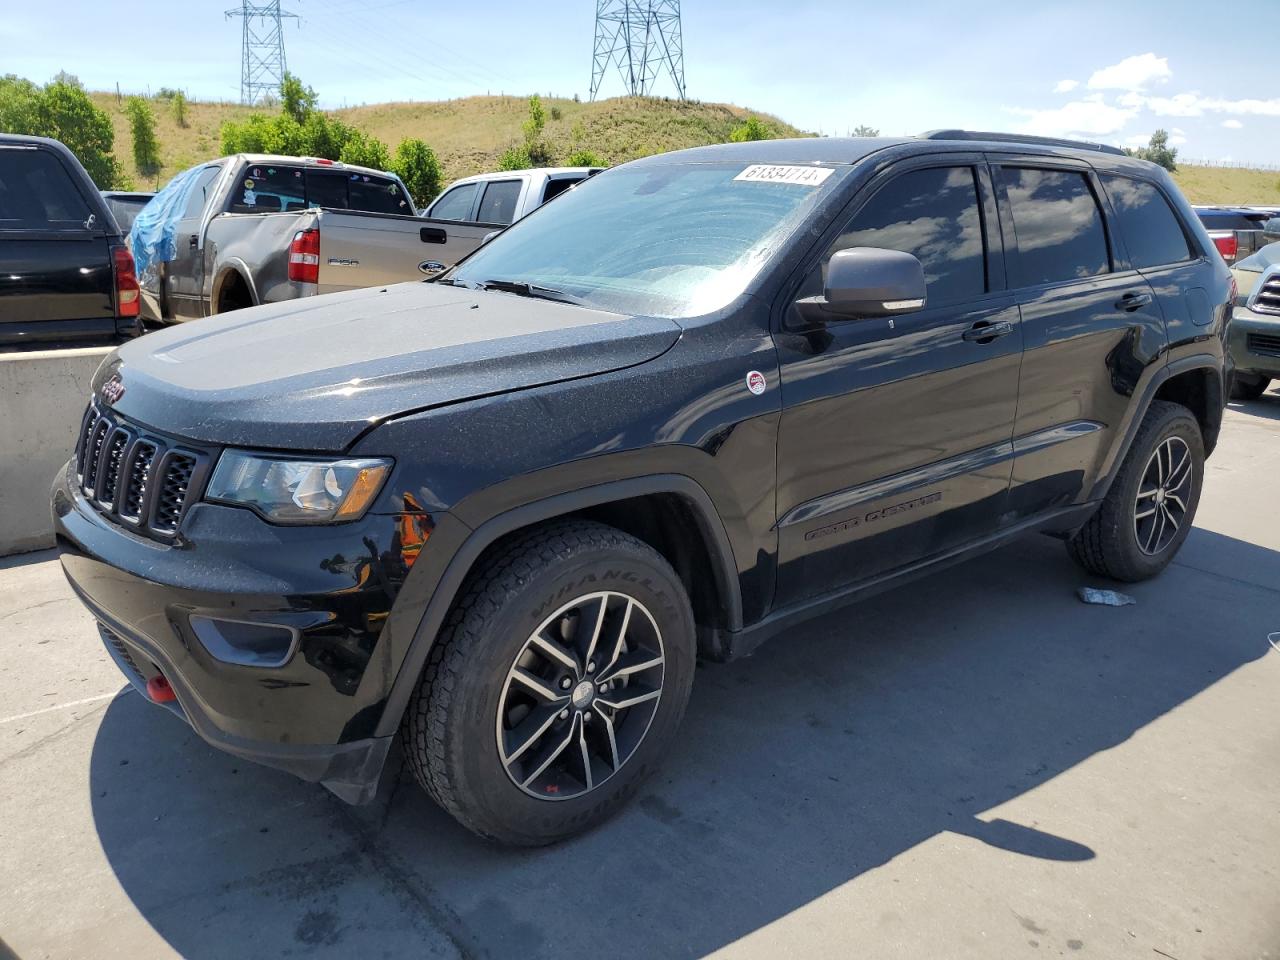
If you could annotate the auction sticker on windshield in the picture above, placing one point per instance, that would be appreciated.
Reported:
(769, 173)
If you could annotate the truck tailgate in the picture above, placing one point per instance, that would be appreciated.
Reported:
(368, 249)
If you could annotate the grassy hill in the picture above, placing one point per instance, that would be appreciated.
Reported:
(470, 134)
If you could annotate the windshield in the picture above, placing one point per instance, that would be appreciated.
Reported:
(675, 240)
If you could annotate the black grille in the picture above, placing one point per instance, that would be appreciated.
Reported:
(143, 480)
(1267, 299)
(1268, 343)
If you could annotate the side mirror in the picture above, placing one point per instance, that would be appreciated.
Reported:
(868, 282)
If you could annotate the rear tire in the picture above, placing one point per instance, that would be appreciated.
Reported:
(1249, 386)
(1151, 505)
(515, 674)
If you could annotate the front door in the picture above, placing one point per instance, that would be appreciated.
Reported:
(895, 442)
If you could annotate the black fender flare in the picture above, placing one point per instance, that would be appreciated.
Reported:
(724, 570)
(1199, 361)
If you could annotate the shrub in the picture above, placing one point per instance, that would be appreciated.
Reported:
(584, 158)
(556, 113)
(515, 158)
(62, 110)
(179, 104)
(142, 129)
(365, 151)
(753, 129)
(417, 166)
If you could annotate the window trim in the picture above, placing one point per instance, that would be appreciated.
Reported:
(1194, 253)
(989, 215)
(68, 229)
(1117, 257)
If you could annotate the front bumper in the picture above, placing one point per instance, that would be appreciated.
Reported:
(313, 710)
(1254, 342)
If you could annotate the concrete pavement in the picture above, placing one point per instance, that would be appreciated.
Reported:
(976, 765)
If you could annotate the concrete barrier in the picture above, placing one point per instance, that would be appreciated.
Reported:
(42, 398)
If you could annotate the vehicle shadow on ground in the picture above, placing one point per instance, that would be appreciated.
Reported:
(1267, 406)
(837, 747)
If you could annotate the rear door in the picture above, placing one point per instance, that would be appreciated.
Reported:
(895, 442)
(459, 221)
(1091, 325)
(57, 279)
(184, 274)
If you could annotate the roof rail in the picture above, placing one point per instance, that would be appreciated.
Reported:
(1020, 138)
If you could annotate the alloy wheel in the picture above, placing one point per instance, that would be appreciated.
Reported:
(1160, 508)
(580, 696)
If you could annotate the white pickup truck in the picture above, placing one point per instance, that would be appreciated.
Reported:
(252, 228)
(474, 207)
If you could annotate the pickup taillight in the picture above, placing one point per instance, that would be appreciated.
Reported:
(304, 256)
(126, 278)
(1228, 246)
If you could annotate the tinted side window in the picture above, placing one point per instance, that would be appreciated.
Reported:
(498, 205)
(37, 192)
(1058, 225)
(933, 214)
(200, 193)
(1150, 228)
(556, 187)
(456, 203)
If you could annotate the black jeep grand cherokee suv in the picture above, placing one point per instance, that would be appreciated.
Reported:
(695, 400)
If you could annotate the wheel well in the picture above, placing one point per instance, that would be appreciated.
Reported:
(1200, 391)
(670, 524)
(233, 293)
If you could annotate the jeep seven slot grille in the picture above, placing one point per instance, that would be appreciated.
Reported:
(1267, 299)
(139, 479)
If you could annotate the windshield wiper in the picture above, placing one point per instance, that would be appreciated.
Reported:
(525, 289)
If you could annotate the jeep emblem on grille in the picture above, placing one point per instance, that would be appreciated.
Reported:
(112, 390)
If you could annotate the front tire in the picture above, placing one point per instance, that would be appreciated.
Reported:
(556, 686)
(1249, 386)
(1151, 505)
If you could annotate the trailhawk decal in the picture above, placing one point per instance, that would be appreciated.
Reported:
(848, 524)
(756, 382)
(798, 176)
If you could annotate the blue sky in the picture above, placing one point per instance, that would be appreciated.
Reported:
(1111, 71)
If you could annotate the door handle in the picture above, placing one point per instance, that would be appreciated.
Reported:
(193, 240)
(1132, 301)
(984, 331)
(433, 235)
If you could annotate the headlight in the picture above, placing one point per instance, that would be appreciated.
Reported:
(289, 490)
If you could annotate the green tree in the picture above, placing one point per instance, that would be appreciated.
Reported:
(365, 151)
(1158, 151)
(62, 110)
(417, 165)
(297, 100)
(862, 130)
(583, 157)
(142, 129)
(752, 129)
(515, 158)
(536, 121)
(179, 104)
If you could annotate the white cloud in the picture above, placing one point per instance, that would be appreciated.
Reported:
(1232, 124)
(1066, 86)
(1194, 105)
(1080, 117)
(1132, 73)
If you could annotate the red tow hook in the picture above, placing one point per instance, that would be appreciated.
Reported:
(159, 691)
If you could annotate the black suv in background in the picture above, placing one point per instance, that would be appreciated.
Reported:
(67, 276)
(694, 401)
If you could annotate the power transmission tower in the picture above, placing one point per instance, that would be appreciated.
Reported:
(643, 38)
(262, 63)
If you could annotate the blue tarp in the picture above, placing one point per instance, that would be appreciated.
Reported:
(152, 237)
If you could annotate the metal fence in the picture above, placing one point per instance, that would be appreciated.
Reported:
(1230, 164)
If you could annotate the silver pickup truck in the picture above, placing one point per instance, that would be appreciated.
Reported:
(260, 229)
(474, 207)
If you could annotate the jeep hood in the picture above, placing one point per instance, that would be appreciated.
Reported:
(315, 374)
